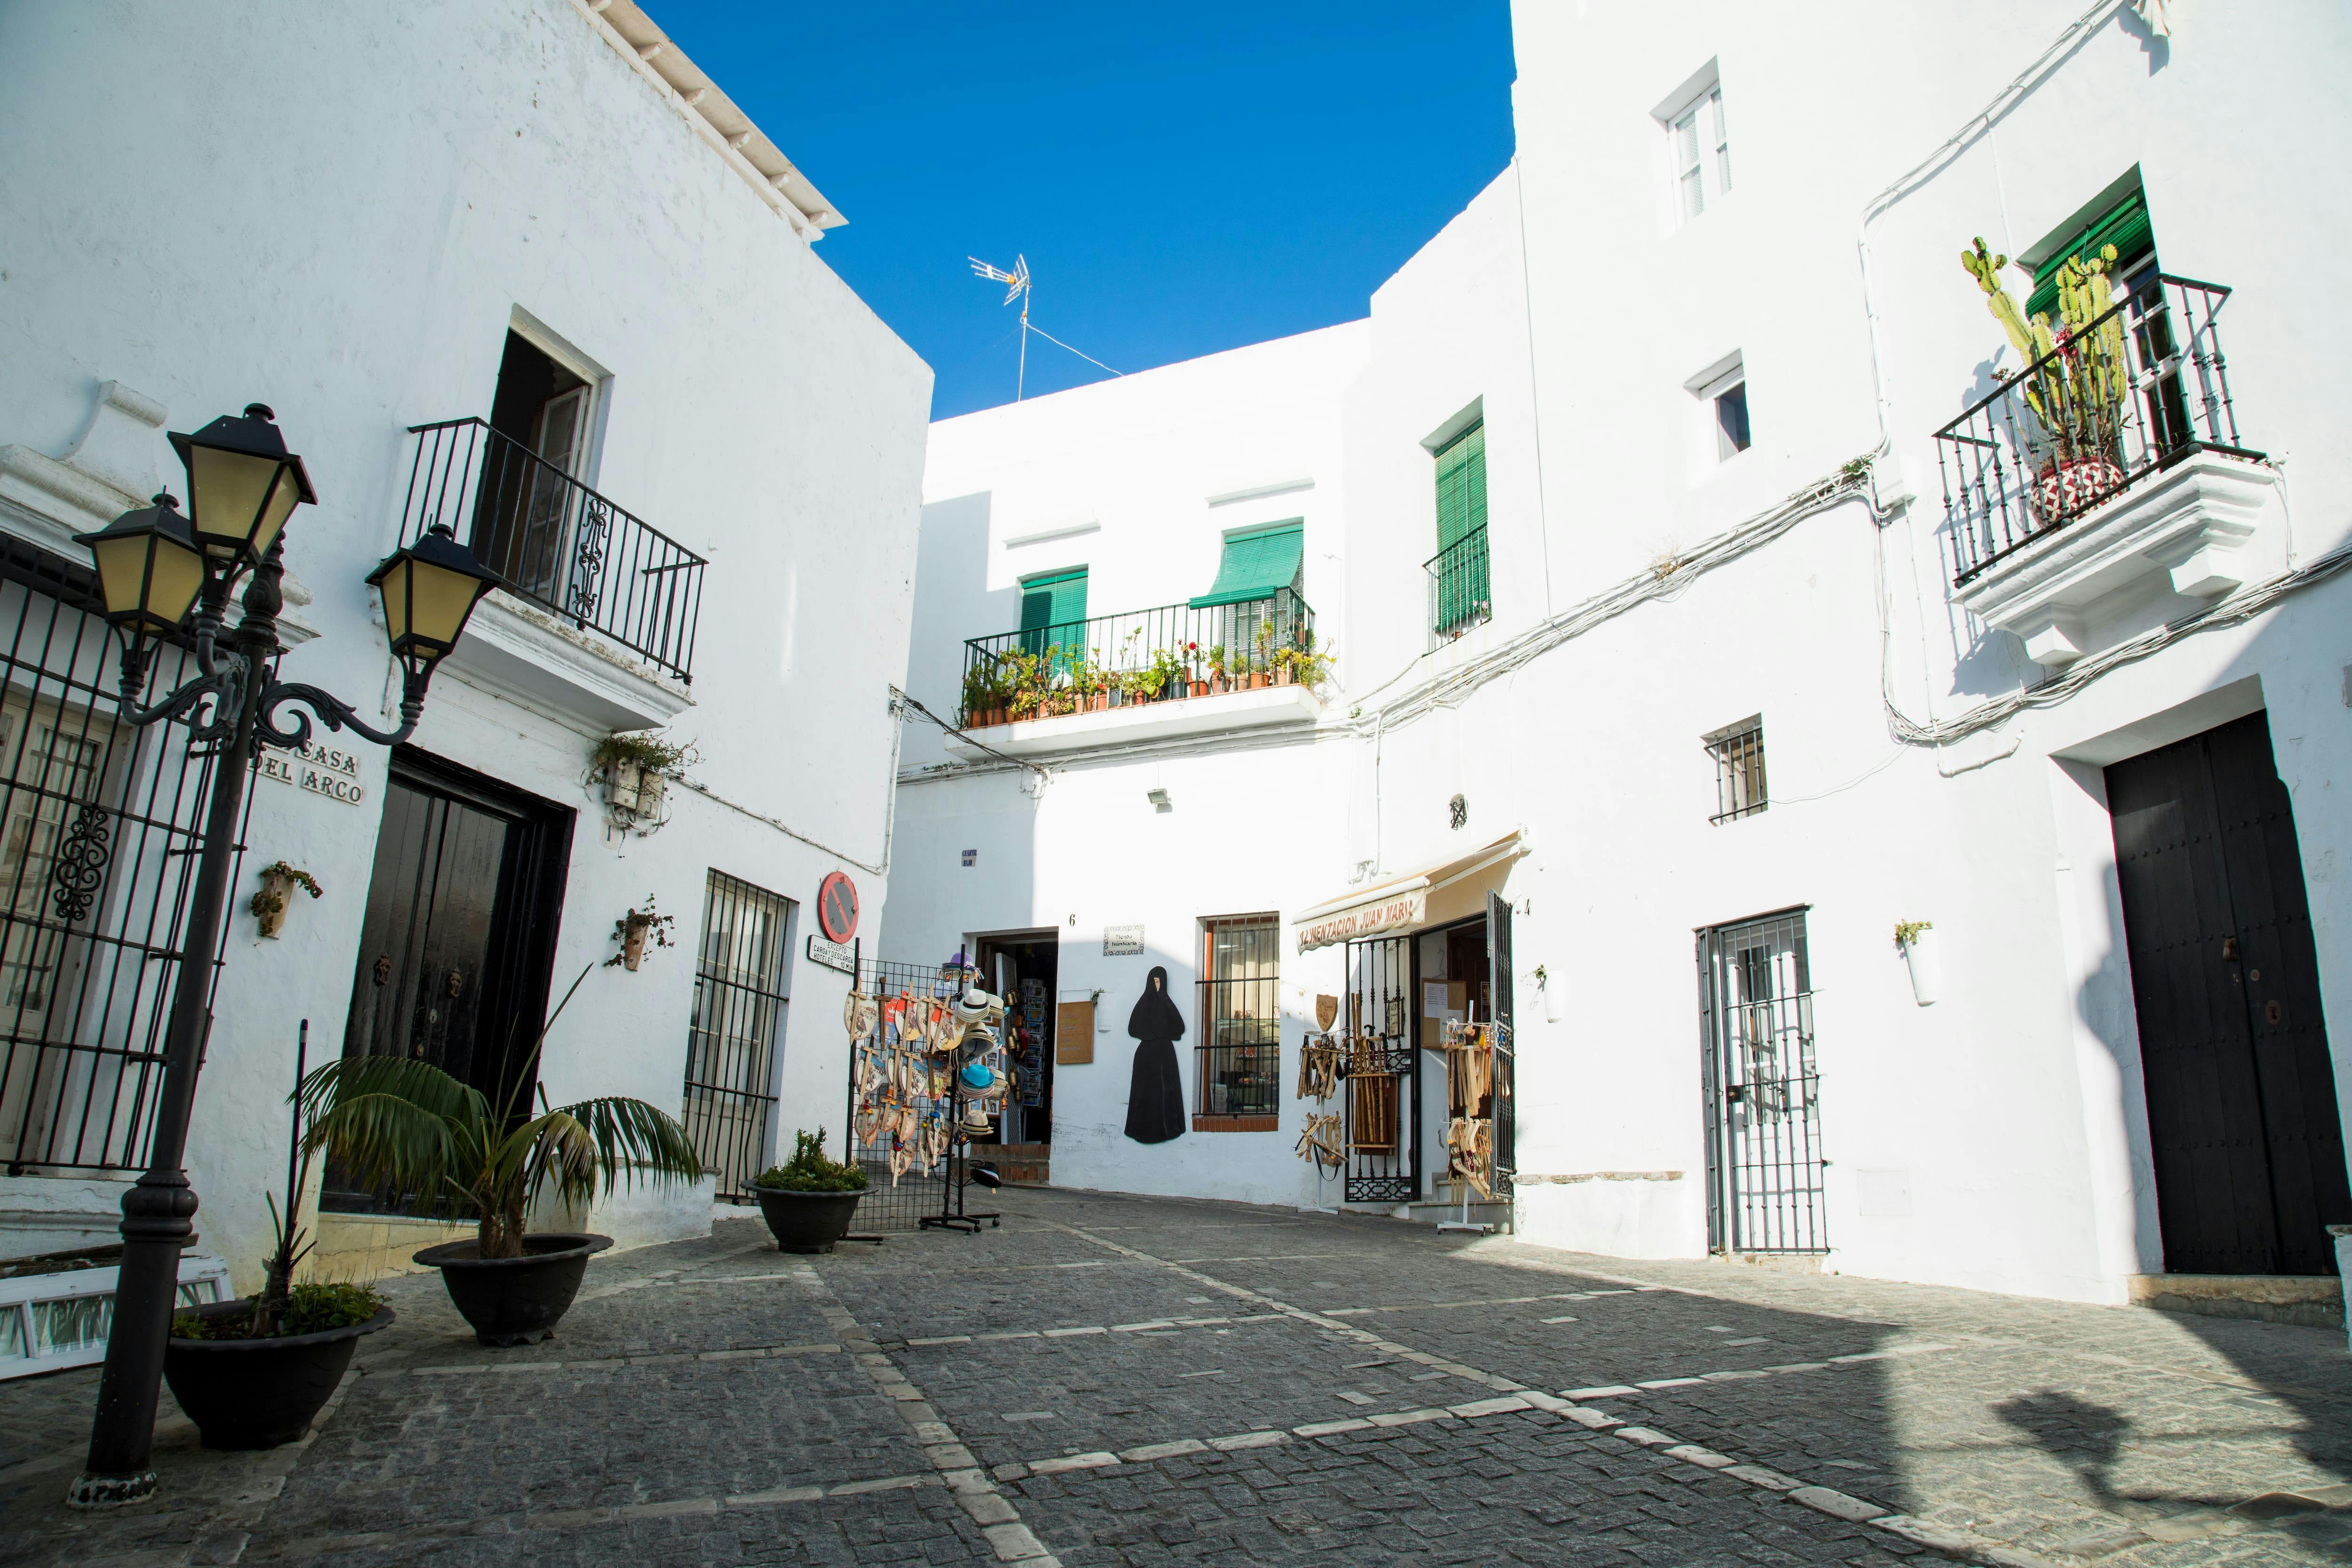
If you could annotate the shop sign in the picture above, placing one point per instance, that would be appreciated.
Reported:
(321, 770)
(832, 954)
(1122, 942)
(1365, 920)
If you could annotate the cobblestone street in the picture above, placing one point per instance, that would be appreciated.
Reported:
(1106, 1382)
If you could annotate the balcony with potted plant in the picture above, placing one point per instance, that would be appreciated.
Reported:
(2106, 481)
(1174, 670)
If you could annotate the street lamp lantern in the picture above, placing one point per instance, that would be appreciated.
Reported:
(150, 568)
(430, 589)
(165, 576)
(243, 484)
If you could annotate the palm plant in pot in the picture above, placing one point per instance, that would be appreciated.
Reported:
(808, 1200)
(253, 1372)
(406, 1125)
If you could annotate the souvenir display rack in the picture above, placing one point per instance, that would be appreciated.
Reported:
(896, 1200)
(1478, 1071)
(1322, 1065)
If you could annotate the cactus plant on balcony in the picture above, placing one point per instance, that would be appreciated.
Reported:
(2075, 379)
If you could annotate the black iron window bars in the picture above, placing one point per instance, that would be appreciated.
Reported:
(1739, 786)
(738, 1022)
(1239, 1056)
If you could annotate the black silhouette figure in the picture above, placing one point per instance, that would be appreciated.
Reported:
(1155, 1097)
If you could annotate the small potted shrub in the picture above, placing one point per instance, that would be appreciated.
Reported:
(808, 1200)
(1218, 684)
(278, 881)
(252, 1373)
(636, 770)
(406, 1125)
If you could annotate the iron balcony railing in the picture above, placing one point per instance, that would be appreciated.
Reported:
(2127, 395)
(557, 543)
(1460, 595)
(1140, 656)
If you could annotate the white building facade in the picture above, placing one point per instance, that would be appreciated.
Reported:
(1715, 591)
(524, 271)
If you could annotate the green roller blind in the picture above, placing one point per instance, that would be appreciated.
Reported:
(1462, 486)
(2124, 226)
(1257, 562)
(1052, 601)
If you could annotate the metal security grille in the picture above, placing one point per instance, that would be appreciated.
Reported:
(98, 826)
(1239, 1057)
(1738, 753)
(739, 1016)
(1381, 1090)
(1764, 1158)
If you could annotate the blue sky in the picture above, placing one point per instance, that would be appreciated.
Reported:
(1182, 178)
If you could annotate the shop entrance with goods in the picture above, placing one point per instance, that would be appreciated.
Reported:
(1023, 968)
(1417, 1003)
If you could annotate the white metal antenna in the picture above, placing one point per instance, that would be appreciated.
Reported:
(1018, 286)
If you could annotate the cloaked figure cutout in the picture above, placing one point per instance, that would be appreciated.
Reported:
(1155, 1097)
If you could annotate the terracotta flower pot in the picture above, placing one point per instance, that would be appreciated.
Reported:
(1257, 680)
(1219, 686)
(1198, 688)
(1283, 677)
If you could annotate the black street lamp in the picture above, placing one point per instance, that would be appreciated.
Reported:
(154, 567)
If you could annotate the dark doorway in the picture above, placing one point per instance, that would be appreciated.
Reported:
(458, 936)
(1023, 970)
(535, 501)
(2240, 1092)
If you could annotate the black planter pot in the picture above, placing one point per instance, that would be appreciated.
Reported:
(258, 1394)
(805, 1222)
(515, 1300)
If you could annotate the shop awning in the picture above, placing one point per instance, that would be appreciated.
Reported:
(1256, 562)
(1395, 903)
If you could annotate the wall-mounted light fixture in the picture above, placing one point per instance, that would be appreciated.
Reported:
(1158, 799)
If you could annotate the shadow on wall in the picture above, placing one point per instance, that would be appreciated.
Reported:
(2306, 1367)
(953, 600)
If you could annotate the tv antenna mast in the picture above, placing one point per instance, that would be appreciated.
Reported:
(1018, 286)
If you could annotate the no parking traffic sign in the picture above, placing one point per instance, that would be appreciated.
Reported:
(836, 907)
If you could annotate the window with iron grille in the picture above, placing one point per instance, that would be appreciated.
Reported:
(739, 1016)
(1240, 1051)
(1738, 753)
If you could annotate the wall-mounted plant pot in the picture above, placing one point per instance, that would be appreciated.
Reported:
(270, 909)
(515, 1300)
(259, 1394)
(805, 1222)
(1927, 967)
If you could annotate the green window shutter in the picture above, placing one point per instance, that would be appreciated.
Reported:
(1462, 486)
(1051, 602)
(1257, 563)
(1461, 592)
(2124, 226)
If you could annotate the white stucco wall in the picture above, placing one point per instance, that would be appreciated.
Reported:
(338, 211)
(2011, 1108)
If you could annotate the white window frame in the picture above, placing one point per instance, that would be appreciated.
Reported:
(1710, 448)
(1697, 142)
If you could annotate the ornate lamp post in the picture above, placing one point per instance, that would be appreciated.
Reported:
(156, 567)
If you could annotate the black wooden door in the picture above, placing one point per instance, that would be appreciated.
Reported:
(2241, 1093)
(462, 911)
